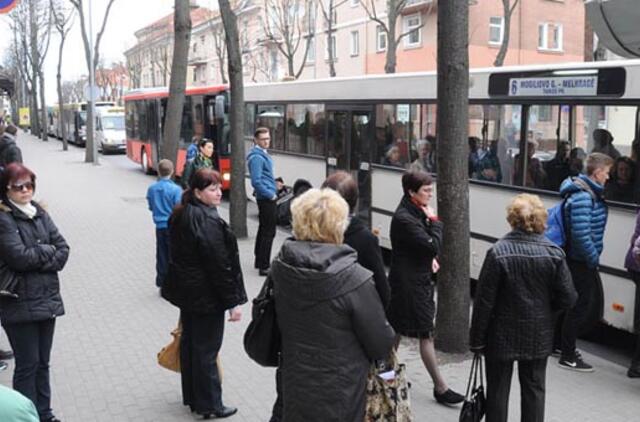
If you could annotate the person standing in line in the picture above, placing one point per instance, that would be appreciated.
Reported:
(205, 281)
(162, 197)
(33, 248)
(202, 160)
(585, 217)
(416, 237)
(524, 280)
(632, 264)
(329, 314)
(9, 151)
(264, 184)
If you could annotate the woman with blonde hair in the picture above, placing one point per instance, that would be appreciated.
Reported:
(329, 313)
(524, 281)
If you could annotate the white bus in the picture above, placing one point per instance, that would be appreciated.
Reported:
(373, 126)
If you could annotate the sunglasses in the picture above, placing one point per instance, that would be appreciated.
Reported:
(22, 186)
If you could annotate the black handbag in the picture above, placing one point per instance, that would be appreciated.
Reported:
(8, 282)
(473, 408)
(262, 340)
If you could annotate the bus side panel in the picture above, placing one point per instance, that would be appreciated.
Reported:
(134, 149)
(181, 161)
(619, 301)
(225, 172)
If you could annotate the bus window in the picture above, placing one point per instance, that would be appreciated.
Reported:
(198, 127)
(272, 117)
(142, 120)
(393, 134)
(305, 129)
(249, 120)
(186, 127)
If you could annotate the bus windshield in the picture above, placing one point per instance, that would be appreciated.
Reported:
(83, 118)
(113, 122)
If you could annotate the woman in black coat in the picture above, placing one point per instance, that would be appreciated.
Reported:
(416, 236)
(32, 249)
(204, 281)
(329, 313)
(523, 282)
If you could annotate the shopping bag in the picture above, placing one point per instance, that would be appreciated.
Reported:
(169, 355)
(473, 408)
(388, 393)
(262, 338)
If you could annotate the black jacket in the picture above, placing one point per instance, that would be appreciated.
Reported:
(366, 244)
(204, 268)
(524, 279)
(415, 241)
(35, 250)
(332, 324)
(9, 151)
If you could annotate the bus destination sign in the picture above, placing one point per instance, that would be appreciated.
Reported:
(566, 86)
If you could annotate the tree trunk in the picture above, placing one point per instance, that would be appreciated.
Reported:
(44, 133)
(238, 196)
(35, 59)
(392, 43)
(178, 81)
(452, 320)
(502, 53)
(33, 111)
(62, 127)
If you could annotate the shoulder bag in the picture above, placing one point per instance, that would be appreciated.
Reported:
(473, 408)
(169, 355)
(388, 393)
(262, 340)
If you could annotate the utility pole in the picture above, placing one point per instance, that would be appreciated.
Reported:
(92, 97)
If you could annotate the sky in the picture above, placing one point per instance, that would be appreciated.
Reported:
(125, 18)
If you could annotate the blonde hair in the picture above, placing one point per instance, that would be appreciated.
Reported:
(319, 216)
(527, 212)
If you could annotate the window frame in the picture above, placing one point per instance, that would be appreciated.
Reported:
(544, 39)
(334, 40)
(355, 43)
(381, 34)
(311, 53)
(500, 27)
(417, 29)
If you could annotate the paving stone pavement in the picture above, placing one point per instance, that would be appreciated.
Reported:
(104, 356)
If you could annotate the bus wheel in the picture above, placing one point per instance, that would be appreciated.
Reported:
(144, 162)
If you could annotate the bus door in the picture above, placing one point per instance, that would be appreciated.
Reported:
(349, 145)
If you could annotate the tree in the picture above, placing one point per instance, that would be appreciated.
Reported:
(160, 59)
(393, 12)
(452, 318)
(329, 13)
(238, 196)
(219, 43)
(286, 26)
(90, 151)
(63, 23)
(178, 81)
(134, 68)
(504, 46)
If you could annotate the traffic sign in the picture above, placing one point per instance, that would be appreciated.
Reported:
(7, 5)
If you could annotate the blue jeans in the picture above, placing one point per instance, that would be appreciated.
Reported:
(162, 255)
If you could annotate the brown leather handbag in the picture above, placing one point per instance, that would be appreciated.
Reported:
(169, 355)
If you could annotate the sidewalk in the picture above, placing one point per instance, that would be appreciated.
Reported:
(104, 357)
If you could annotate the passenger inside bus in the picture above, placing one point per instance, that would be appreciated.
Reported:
(619, 187)
(488, 167)
(557, 169)
(576, 161)
(603, 142)
(475, 155)
(392, 157)
(535, 176)
(426, 158)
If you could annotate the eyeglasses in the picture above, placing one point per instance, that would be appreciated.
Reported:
(264, 139)
(22, 186)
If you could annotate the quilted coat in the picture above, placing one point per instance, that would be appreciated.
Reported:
(523, 281)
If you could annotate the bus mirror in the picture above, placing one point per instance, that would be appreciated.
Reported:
(219, 106)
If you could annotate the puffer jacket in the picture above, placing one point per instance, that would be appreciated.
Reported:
(585, 218)
(332, 324)
(261, 170)
(204, 268)
(524, 279)
(35, 250)
(632, 259)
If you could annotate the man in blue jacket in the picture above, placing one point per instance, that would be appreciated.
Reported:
(264, 184)
(162, 197)
(585, 216)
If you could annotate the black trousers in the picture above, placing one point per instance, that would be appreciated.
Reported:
(199, 346)
(162, 255)
(266, 232)
(584, 280)
(31, 343)
(532, 376)
(278, 410)
(636, 318)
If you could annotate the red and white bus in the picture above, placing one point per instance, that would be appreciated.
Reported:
(205, 115)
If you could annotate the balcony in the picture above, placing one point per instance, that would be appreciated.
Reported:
(413, 6)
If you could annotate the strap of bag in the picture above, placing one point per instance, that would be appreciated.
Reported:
(480, 369)
(471, 376)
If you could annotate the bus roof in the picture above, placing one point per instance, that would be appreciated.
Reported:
(163, 92)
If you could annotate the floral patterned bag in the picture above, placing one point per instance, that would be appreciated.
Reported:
(388, 400)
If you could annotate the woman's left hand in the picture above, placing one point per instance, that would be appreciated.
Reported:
(235, 314)
(435, 266)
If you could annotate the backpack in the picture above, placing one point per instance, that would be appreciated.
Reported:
(556, 231)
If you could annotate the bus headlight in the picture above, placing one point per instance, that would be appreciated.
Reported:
(226, 177)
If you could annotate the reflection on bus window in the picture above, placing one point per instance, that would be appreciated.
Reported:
(272, 117)
(618, 121)
(305, 129)
(249, 120)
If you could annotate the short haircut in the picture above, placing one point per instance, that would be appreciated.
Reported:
(11, 129)
(165, 168)
(414, 180)
(204, 141)
(526, 212)
(300, 186)
(12, 173)
(280, 179)
(259, 131)
(598, 160)
(343, 183)
(319, 215)
(200, 180)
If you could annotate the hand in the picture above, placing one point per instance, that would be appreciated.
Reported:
(429, 211)
(435, 266)
(235, 314)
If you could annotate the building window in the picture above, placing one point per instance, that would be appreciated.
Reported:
(195, 47)
(496, 29)
(550, 36)
(355, 43)
(412, 25)
(334, 49)
(334, 19)
(381, 39)
(311, 53)
(354, 3)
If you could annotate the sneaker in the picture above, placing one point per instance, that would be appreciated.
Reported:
(449, 397)
(3, 365)
(575, 364)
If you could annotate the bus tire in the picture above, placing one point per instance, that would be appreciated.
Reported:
(144, 163)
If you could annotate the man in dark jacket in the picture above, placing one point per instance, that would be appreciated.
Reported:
(264, 184)
(9, 151)
(585, 216)
(524, 280)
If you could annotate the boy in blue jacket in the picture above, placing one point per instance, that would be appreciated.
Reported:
(585, 215)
